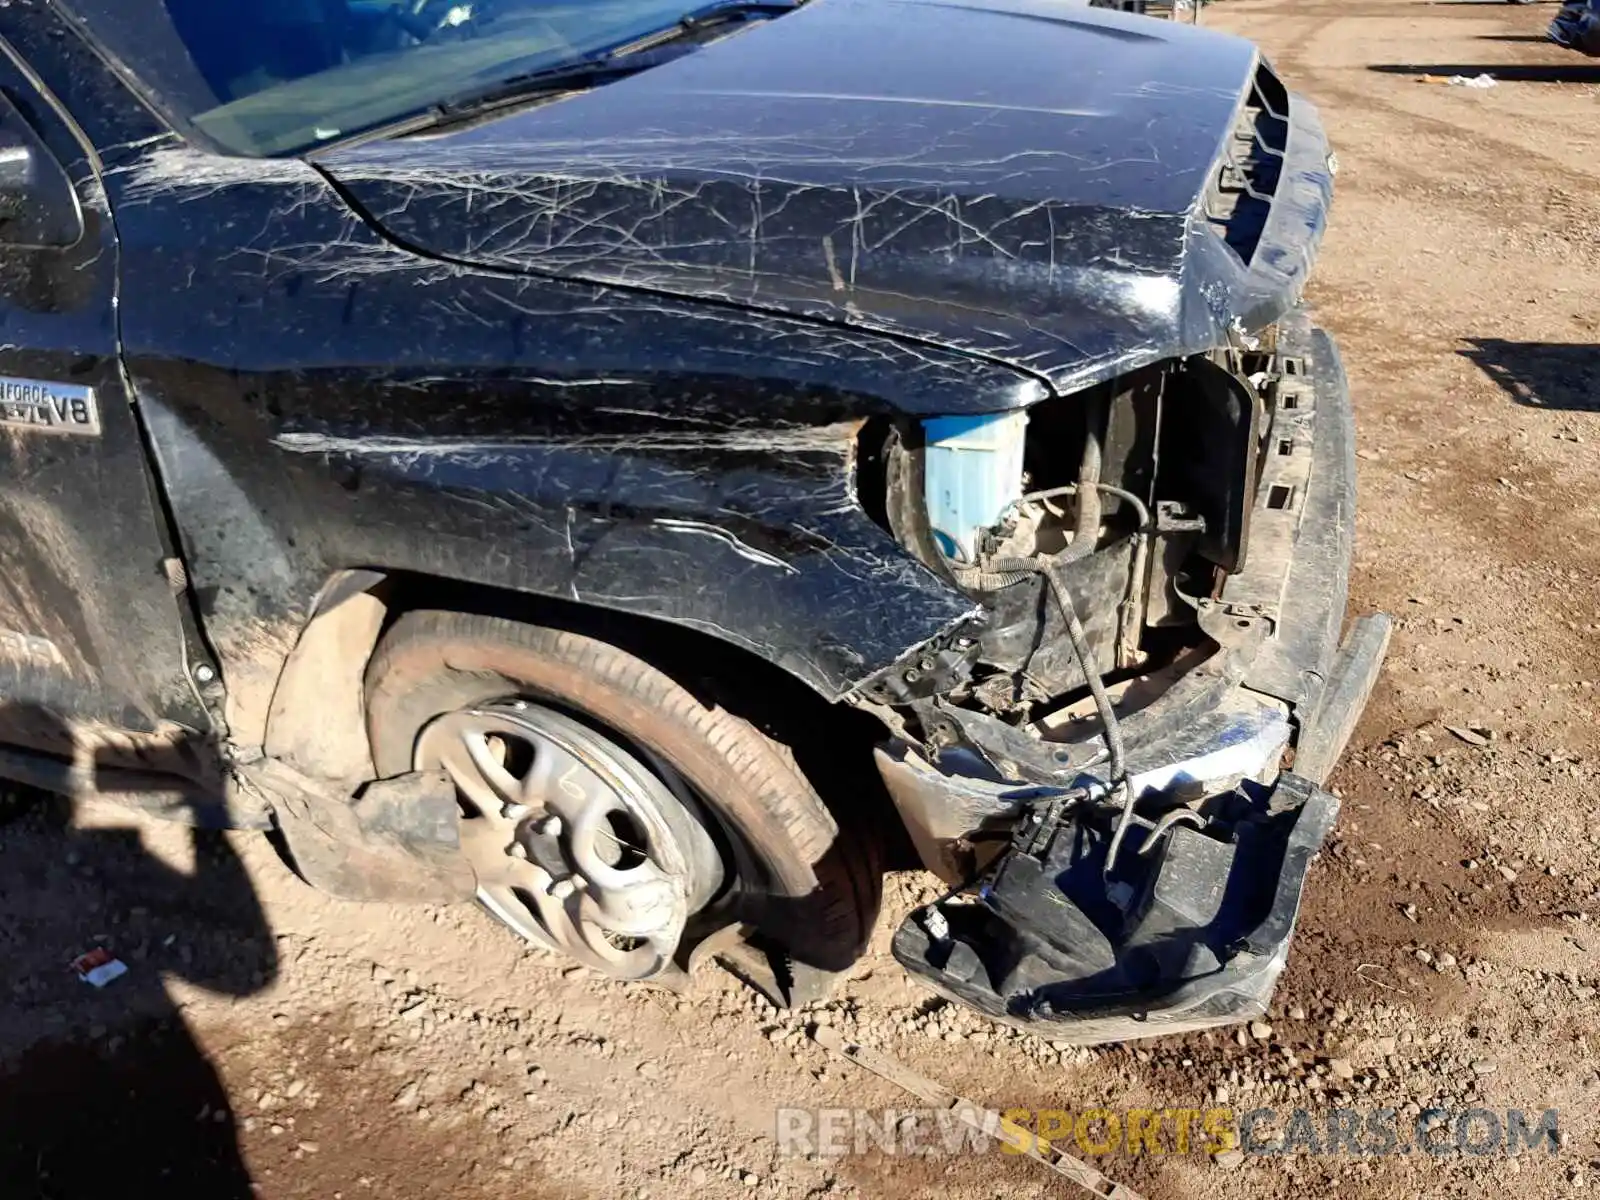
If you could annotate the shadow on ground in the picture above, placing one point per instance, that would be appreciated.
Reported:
(1553, 375)
(1581, 71)
(105, 1091)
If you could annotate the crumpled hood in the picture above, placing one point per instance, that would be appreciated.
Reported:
(1020, 178)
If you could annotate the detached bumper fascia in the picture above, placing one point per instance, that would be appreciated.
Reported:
(1200, 935)
(1043, 985)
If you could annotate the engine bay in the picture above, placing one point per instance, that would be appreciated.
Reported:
(1117, 766)
(1129, 504)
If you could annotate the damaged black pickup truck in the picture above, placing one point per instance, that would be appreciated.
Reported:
(647, 469)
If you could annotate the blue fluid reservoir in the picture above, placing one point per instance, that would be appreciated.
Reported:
(972, 473)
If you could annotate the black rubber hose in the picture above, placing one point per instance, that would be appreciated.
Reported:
(1016, 570)
(1004, 573)
(1108, 716)
(1097, 685)
(1086, 535)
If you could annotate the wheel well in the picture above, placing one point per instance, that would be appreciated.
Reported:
(318, 717)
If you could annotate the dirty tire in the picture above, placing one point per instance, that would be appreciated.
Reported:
(818, 892)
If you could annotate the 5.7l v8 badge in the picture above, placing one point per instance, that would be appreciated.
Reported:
(45, 407)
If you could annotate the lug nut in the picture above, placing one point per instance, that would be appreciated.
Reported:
(562, 888)
(550, 826)
(517, 850)
(513, 812)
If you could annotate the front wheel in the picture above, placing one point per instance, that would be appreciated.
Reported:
(610, 813)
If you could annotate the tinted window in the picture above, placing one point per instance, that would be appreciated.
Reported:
(264, 77)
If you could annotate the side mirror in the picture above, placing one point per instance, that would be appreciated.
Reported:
(38, 204)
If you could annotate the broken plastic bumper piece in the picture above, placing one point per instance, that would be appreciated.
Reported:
(1191, 934)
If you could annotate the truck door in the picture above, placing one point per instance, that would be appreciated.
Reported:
(91, 629)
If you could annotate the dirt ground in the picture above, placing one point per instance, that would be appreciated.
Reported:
(1446, 955)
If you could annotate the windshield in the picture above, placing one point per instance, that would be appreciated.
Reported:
(270, 77)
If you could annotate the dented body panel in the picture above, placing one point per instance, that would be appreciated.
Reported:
(529, 429)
